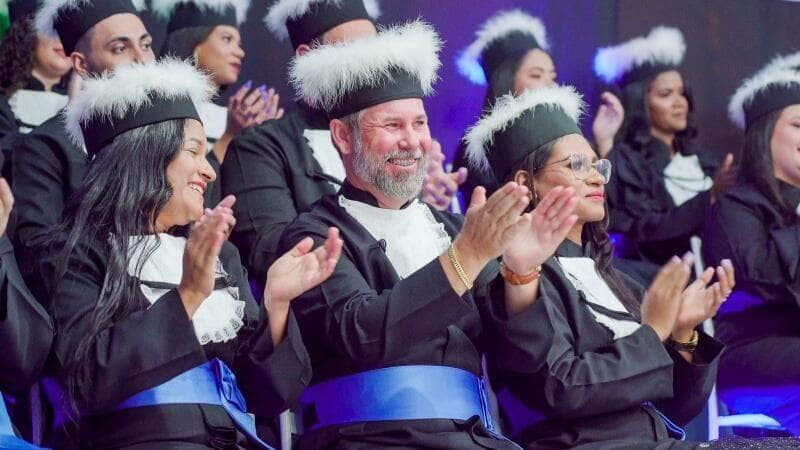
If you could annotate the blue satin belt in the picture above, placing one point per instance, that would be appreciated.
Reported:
(211, 383)
(398, 393)
(9, 440)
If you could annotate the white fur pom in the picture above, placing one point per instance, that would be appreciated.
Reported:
(164, 8)
(508, 108)
(284, 10)
(128, 88)
(791, 62)
(663, 45)
(49, 10)
(326, 74)
(498, 26)
(773, 74)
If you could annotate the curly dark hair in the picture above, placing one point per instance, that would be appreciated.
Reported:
(635, 130)
(17, 56)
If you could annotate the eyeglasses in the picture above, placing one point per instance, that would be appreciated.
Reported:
(582, 166)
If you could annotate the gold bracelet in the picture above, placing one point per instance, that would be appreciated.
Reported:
(462, 275)
(690, 346)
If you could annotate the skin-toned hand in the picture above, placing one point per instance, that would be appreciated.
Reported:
(294, 273)
(6, 205)
(724, 179)
(202, 251)
(701, 300)
(248, 108)
(607, 122)
(440, 186)
(490, 226)
(662, 300)
(552, 220)
(302, 269)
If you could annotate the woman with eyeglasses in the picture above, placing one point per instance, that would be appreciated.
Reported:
(603, 362)
(663, 184)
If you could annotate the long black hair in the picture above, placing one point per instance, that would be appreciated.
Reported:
(124, 190)
(17, 56)
(635, 129)
(182, 43)
(757, 163)
(501, 81)
(594, 233)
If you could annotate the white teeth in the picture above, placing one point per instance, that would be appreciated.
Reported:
(196, 188)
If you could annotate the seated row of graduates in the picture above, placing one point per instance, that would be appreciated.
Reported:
(394, 300)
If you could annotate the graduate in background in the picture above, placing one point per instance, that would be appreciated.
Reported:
(47, 165)
(663, 184)
(280, 168)
(32, 71)
(757, 225)
(509, 55)
(208, 32)
(615, 363)
(154, 310)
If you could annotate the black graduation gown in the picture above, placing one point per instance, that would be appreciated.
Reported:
(158, 342)
(272, 171)
(764, 246)
(642, 209)
(591, 388)
(476, 177)
(26, 333)
(47, 170)
(364, 317)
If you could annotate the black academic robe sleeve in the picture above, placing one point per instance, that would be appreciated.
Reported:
(766, 257)
(639, 204)
(370, 326)
(154, 343)
(254, 171)
(26, 329)
(579, 380)
(45, 172)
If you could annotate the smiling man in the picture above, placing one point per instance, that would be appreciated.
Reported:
(395, 335)
(98, 35)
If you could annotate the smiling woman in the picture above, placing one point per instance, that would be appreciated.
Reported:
(207, 32)
(151, 296)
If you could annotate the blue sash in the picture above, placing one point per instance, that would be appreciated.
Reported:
(8, 440)
(211, 383)
(398, 393)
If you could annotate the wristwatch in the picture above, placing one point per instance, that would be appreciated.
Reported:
(690, 346)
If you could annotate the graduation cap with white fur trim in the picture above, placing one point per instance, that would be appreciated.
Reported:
(772, 88)
(133, 96)
(71, 19)
(201, 13)
(302, 21)
(517, 126)
(508, 35)
(640, 58)
(344, 78)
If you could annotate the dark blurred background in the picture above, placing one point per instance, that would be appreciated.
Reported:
(727, 40)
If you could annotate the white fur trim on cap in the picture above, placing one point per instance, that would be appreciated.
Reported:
(508, 108)
(44, 21)
(791, 62)
(284, 10)
(164, 8)
(128, 88)
(663, 45)
(772, 75)
(498, 26)
(323, 76)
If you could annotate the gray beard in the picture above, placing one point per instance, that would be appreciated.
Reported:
(372, 170)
